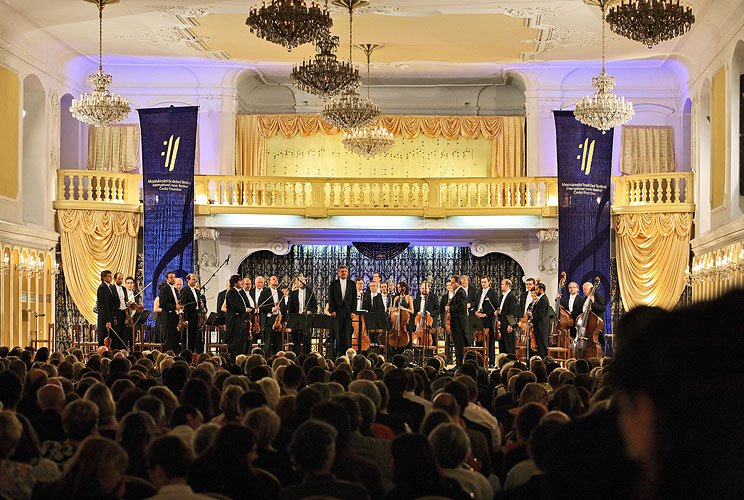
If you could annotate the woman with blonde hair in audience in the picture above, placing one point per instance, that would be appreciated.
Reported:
(229, 406)
(451, 447)
(96, 471)
(271, 390)
(265, 424)
(101, 395)
(136, 432)
(16, 478)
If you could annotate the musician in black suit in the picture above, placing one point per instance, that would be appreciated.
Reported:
(458, 309)
(541, 320)
(597, 301)
(508, 310)
(268, 307)
(386, 296)
(573, 303)
(301, 301)
(168, 299)
(221, 300)
(248, 294)
(425, 303)
(236, 310)
(470, 291)
(106, 306)
(189, 297)
(485, 308)
(120, 313)
(373, 299)
(341, 296)
(525, 299)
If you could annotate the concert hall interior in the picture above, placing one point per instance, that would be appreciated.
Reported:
(521, 176)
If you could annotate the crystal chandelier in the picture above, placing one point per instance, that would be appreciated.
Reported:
(650, 21)
(325, 76)
(100, 108)
(350, 111)
(369, 141)
(289, 23)
(603, 110)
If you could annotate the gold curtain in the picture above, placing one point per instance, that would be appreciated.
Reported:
(652, 255)
(646, 150)
(114, 149)
(91, 241)
(506, 132)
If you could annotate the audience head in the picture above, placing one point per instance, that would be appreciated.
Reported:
(313, 446)
(450, 445)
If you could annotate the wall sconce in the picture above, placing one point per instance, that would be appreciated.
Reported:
(22, 265)
(54, 270)
(5, 265)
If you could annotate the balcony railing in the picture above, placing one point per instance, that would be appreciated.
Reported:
(322, 197)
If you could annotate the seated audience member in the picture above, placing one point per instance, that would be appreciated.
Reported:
(28, 452)
(204, 437)
(16, 478)
(525, 422)
(524, 479)
(101, 396)
(155, 408)
(313, 451)
(184, 422)
(51, 401)
(265, 423)
(417, 473)
(168, 464)
(226, 467)
(95, 472)
(79, 420)
(451, 449)
(136, 431)
(396, 383)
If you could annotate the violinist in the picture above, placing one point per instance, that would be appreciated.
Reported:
(469, 292)
(221, 305)
(268, 306)
(485, 309)
(120, 300)
(190, 300)
(508, 310)
(387, 298)
(458, 309)
(526, 298)
(359, 302)
(235, 311)
(301, 302)
(129, 291)
(248, 295)
(168, 302)
(105, 305)
(373, 301)
(541, 319)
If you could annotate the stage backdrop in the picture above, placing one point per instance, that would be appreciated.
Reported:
(319, 263)
(584, 173)
(168, 147)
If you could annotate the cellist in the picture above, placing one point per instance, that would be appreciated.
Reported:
(597, 303)
(574, 303)
(541, 319)
(426, 304)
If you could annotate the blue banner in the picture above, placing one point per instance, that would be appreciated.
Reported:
(584, 175)
(168, 149)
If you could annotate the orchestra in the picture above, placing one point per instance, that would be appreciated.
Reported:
(255, 313)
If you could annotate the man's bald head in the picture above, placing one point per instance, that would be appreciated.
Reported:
(51, 397)
(447, 403)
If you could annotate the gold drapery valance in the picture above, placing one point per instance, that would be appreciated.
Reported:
(646, 149)
(91, 241)
(505, 132)
(652, 255)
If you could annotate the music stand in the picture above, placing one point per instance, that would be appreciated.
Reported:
(323, 323)
(475, 323)
(301, 322)
(360, 316)
(376, 321)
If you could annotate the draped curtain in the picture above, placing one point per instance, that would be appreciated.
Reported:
(91, 241)
(505, 132)
(652, 253)
(114, 149)
(647, 150)
(319, 264)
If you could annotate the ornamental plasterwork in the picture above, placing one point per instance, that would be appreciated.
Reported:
(549, 266)
(560, 37)
(177, 10)
(54, 124)
(368, 9)
(173, 35)
(526, 11)
(206, 233)
(547, 235)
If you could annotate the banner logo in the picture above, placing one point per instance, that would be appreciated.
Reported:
(171, 162)
(586, 163)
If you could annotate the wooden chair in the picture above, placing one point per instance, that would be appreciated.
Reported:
(482, 349)
(49, 342)
(84, 338)
(560, 351)
(218, 345)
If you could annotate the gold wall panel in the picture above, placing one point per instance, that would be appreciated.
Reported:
(718, 140)
(9, 112)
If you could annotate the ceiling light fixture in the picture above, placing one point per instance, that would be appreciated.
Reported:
(603, 110)
(350, 111)
(650, 21)
(100, 108)
(368, 141)
(325, 76)
(289, 23)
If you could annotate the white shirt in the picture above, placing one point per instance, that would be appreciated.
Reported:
(385, 299)
(501, 306)
(480, 415)
(122, 302)
(175, 295)
(484, 291)
(193, 292)
(527, 302)
(423, 305)
(274, 295)
(178, 492)
(360, 295)
(130, 295)
(250, 298)
(301, 299)
(343, 288)
(571, 300)
(473, 483)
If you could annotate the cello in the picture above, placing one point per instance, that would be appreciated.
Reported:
(398, 335)
(423, 323)
(588, 327)
(564, 320)
(359, 329)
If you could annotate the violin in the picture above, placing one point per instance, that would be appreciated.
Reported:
(181, 322)
(277, 326)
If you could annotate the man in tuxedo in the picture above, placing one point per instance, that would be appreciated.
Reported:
(301, 301)
(426, 304)
(190, 336)
(235, 312)
(106, 307)
(129, 291)
(373, 300)
(574, 303)
(258, 286)
(168, 299)
(469, 292)
(541, 320)
(268, 306)
(508, 310)
(526, 298)
(221, 300)
(247, 293)
(458, 309)
(387, 298)
(597, 301)
(485, 309)
(341, 296)
(120, 302)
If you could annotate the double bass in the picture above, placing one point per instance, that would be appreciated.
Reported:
(588, 327)
(564, 320)
(423, 323)
(359, 330)
(398, 334)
